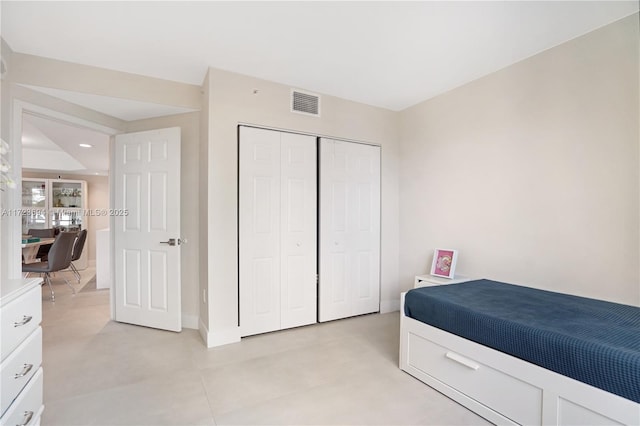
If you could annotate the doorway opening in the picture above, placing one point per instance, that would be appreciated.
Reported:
(64, 187)
(68, 208)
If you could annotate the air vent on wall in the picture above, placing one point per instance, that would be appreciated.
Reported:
(305, 103)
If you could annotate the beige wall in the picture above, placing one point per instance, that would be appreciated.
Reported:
(232, 101)
(532, 171)
(97, 198)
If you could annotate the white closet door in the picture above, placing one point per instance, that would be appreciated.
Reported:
(298, 246)
(349, 229)
(259, 230)
(277, 230)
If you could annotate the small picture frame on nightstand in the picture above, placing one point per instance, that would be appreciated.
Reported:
(444, 263)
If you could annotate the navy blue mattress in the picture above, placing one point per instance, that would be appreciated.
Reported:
(593, 341)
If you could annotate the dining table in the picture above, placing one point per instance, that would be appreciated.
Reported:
(30, 250)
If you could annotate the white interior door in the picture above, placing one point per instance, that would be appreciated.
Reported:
(147, 265)
(349, 229)
(277, 230)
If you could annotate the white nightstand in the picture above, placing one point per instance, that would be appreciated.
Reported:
(429, 280)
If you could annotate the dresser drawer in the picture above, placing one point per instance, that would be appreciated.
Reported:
(19, 367)
(518, 400)
(27, 408)
(20, 318)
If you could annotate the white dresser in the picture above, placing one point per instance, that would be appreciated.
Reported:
(21, 352)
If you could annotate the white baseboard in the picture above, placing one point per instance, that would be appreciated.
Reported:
(190, 321)
(218, 338)
(389, 306)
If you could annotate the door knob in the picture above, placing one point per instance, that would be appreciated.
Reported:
(172, 242)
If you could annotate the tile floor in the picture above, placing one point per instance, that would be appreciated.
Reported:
(99, 372)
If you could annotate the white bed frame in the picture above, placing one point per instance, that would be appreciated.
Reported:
(501, 388)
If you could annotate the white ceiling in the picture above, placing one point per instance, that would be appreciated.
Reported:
(53, 146)
(387, 54)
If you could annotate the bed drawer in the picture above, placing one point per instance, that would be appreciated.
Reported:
(19, 318)
(19, 367)
(27, 409)
(512, 397)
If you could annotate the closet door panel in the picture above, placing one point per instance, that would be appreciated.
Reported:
(334, 290)
(298, 239)
(259, 231)
(365, 230)
(332, 286)
(349, 229)
(338, 287)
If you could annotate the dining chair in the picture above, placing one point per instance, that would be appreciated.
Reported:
(77, 252)
(59, 259)
(43, 250)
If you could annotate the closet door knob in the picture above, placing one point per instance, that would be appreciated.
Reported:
(298, 244)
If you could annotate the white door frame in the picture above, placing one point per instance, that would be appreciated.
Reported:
(14, 223)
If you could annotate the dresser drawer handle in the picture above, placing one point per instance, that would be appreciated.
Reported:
(24, 372)
(25, 319)
(462, 360)
(26, 419)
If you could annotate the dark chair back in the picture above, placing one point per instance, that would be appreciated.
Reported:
(43, 250)
(79, 245)
(61, 251)
(59, 259)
